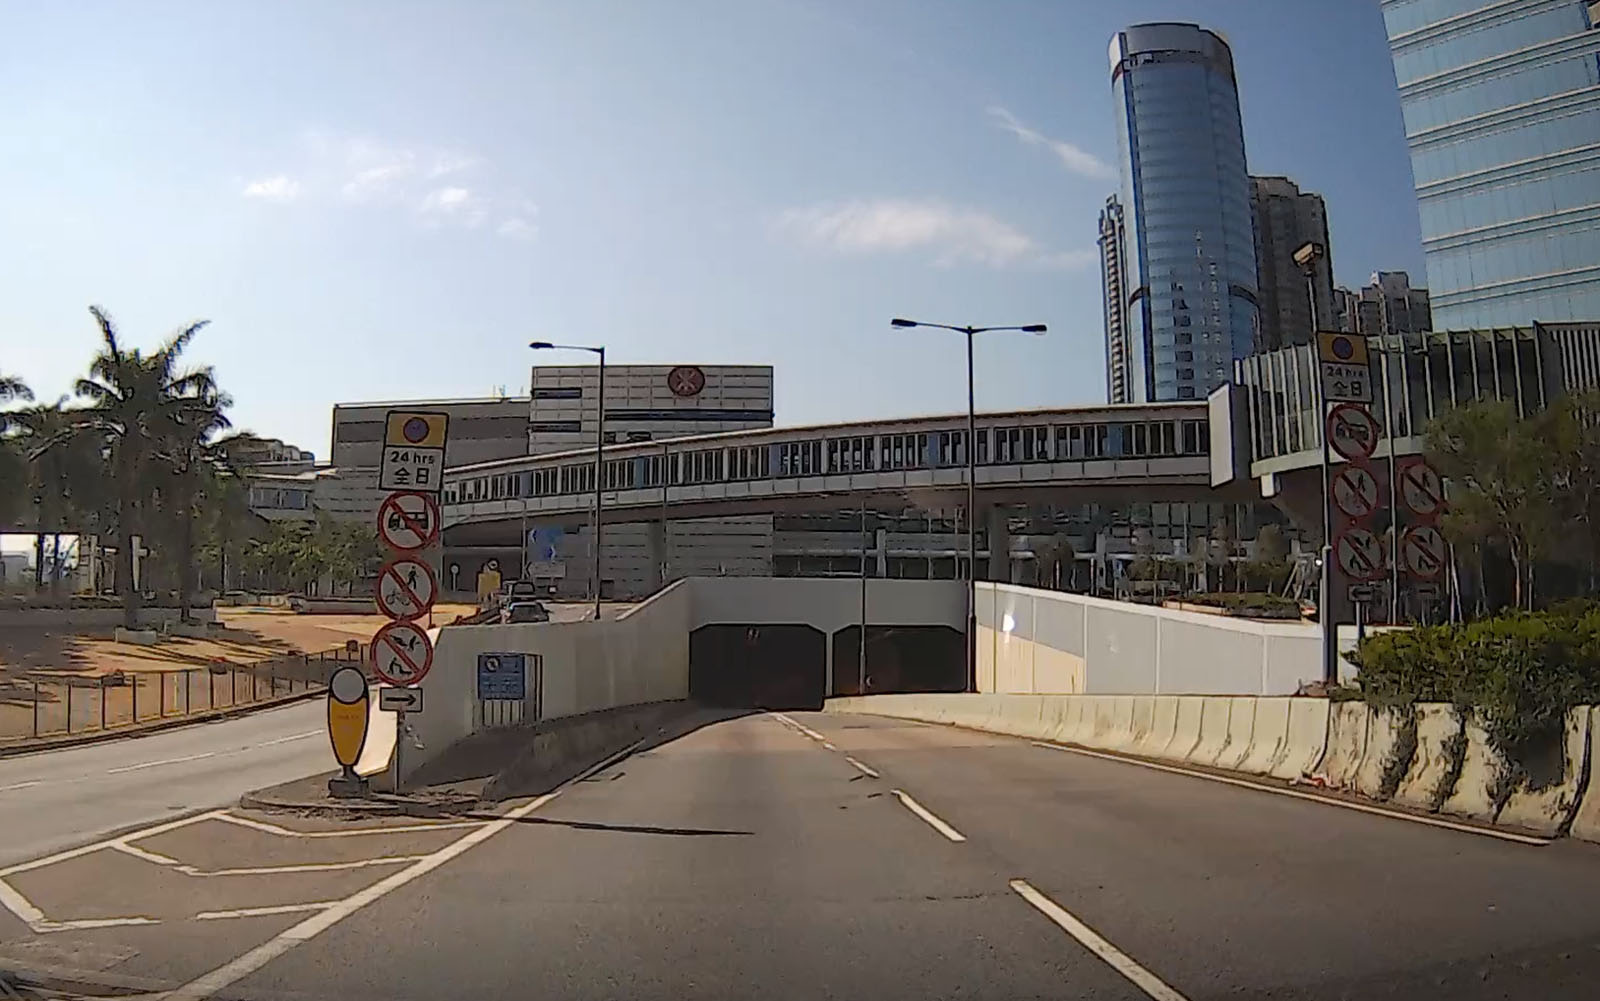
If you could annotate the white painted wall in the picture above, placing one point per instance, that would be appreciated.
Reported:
(1048, 642)
(828, 603)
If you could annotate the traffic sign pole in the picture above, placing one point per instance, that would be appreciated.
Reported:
(1330, 646)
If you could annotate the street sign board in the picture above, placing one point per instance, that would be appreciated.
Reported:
(400, 700)
(686, 380)
(1352, 432)
(1358, 554)
(502, 676)
(1421, 489)
(413, 451)
(408, 521)
(347, 715)
(1423, 551)
(1346, 368)
(402, 653)
(1355, 492)
(407, 588)
(1426, 590)
(553, 569)
(1361, 592)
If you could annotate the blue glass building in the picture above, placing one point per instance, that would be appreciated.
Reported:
(1502, 114)
(1191, 282)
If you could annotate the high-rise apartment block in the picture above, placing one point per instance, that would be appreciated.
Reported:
(1501, 103)
(1286, 219)
(1113, 272)
(1386, 305)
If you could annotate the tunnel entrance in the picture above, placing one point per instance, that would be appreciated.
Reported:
(765, 666)
(900, 659)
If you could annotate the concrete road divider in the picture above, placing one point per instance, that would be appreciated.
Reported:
(1546, 802)
(1214, 713)
(1163, 727)
(1586, 821)
(1144, 709)
(1482, 775)
(1241, 728)
(1186, 728)
(1307, 742)
(1348, 725)
(1431, 776)
(1269, 734)
(1384, 746)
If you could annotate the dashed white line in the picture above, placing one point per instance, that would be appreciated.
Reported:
(163, 761)
(1118, 960)
(1449, 825)
(285, 740)
(22, 785)
(933, 821)
(866, 770)
(829, 745)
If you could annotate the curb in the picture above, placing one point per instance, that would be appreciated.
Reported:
(377, 805)
(32, 746)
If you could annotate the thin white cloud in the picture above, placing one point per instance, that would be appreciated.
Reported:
(954, 234)
(516, 228)
(278, 188)
(445, 164)
(453, 204)
(1075, 159)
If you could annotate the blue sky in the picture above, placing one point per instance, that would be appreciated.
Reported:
(388, 200)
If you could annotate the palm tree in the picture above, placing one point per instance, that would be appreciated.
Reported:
(11, 469)
(61, 468)
(192, 459)
(133, 398)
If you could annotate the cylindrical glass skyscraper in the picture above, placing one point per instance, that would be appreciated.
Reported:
(1191, 286)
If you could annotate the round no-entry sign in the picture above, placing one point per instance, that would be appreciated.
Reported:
(1358, 554)
(1421, 489)
(1355, 492)
(1422, 551)
(402, 654)
(408, 521)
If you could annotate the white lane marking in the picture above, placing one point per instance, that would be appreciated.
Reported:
(285, 740)
(256, 912)
(13, 900)
(865, 770)
(145, 854)
(829, 745)
(22, 785)
(261, 825)
(1118, 960)
(1449, 825)
(242, 966)
(163, 761)
(168, 862)
(933, 822)
(95, 846)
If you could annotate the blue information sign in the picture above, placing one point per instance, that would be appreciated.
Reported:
(502, 676)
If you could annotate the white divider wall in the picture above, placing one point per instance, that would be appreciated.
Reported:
(1051, 642)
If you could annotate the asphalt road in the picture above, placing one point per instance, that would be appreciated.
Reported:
(813, 855)
(55, 799)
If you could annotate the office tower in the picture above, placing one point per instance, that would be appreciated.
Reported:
(1113, 268)
(1191, 275)
(1386, 305)
(1285, 220)
(1501, 103)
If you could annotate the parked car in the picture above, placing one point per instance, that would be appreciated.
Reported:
(524, 611)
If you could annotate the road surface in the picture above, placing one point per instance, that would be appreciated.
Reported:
(54, 799)
(813, 855)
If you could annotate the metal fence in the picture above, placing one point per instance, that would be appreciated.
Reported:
(38, 706)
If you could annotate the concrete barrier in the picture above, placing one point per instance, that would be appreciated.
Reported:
(1063, 718)
(1241, 729)
(1482, 773)
(1163, 727)
(1348, 725)
(1549, 809)
(1431, 776)
(1214, 713)
(1143, 712)
(1383, 747)
(1269, 734)
(1186, 729)
(1307, 742)
(1586, 821)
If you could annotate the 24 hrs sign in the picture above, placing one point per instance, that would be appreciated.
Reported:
(413, 451)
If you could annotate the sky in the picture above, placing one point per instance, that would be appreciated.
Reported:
(388, 200)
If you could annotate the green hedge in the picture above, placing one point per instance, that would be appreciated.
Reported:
(1519, 673)
(1249, 603)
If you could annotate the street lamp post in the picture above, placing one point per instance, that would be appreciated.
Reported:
(599, 449)
(972, 478)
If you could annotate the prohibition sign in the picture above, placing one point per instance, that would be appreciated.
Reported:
(401, 653)
(686, 380)
(1422, 551)
(1355, 492)
(1421, 488)
(1352, 431)
(406, 588)
(408, 521)
(1359, 554)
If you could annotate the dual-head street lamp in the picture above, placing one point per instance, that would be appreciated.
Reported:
(972, 464)
(599, 451)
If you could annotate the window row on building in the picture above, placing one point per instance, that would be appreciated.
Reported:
(848, 454)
